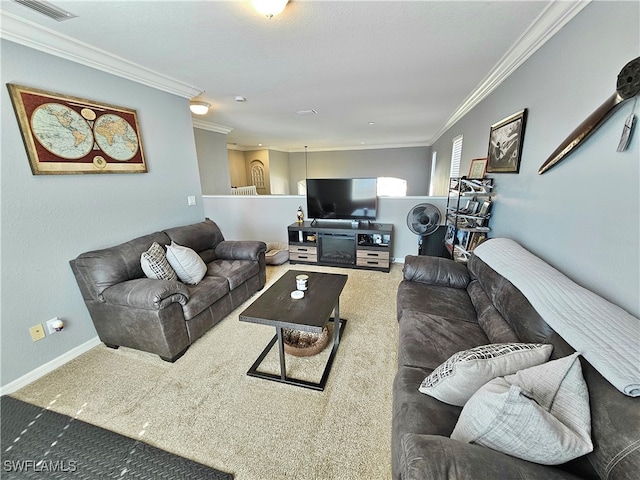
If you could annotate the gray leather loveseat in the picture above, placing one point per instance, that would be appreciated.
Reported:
(166, 316)
(446, 307)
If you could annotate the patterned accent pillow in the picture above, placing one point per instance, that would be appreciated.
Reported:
(188, 265)
(457, 379)
(155, 265)
(540, 414)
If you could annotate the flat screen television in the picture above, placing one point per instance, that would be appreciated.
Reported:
(342, 198)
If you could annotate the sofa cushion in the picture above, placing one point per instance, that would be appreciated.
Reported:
(435, 271)
(236, 272)
(426, 340)
(452, 460)
(540, 414)
(494, 325)
(101, 269)
(204, 294)
(527, 324)
(188, 265)
(452, 303)
(416, 413)
(457, 379)
(155, 265)
(202, 237)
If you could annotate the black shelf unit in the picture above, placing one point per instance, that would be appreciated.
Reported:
(469, 206)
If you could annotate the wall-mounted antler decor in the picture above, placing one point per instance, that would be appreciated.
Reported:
(627, 87)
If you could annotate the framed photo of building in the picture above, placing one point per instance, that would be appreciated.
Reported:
(69, 135)
(505, 144)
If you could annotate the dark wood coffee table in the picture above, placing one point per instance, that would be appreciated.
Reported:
(276, 307)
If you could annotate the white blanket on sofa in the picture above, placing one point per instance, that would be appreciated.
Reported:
(605, 334)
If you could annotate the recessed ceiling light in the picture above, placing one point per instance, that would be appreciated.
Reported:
(372, 123)
(240, 98)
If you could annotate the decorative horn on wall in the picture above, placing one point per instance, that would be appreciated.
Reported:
(628, 86)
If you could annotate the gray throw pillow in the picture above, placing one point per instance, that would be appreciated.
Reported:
(457, 379)
(155, 265)
(540, 414)
(188, 265)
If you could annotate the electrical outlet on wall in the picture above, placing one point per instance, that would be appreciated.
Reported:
(54, 325)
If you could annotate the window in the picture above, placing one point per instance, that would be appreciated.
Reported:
(456, 155)
(257, 173)
(392, 187)
(432, 178)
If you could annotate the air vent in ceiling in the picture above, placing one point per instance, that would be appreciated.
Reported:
(47, 9)
(307, 112)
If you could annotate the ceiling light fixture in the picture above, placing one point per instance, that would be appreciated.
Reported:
(199, 108)
(269, 7)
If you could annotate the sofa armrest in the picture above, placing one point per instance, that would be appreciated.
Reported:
(435, 457)
(147, 293)
(435, 271)
(240, 250)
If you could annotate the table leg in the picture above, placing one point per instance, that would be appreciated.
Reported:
(283, 368)
(336, 323)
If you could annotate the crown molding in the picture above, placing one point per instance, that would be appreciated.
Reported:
(555, 16)
(360, 147)
(326, 149)
(212, 127)
(30, 34)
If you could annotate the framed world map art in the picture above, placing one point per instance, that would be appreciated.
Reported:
(68, 135)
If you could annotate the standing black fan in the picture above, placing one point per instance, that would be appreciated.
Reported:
(424, 220)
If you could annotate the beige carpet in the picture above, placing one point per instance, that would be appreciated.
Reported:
(204, 406)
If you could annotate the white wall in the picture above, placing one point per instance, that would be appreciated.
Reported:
(266, 217)
(49, 219)
(582, 216)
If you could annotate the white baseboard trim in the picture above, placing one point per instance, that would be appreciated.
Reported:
(49, 367)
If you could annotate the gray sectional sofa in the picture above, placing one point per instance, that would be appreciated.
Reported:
(166, 316)
(446, 307)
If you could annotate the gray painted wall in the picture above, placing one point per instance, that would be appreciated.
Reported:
(410, 163)
(215, 173)
(236, 166)
(582, 216)
(49, 219)
(279, 172)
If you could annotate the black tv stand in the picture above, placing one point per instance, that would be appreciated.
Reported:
(341, 244)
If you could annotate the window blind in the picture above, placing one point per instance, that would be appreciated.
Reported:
(456, 155)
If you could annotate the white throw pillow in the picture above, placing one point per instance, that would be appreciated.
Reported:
(188, 265)
(457, 379)
(540, 414)
(155, 265)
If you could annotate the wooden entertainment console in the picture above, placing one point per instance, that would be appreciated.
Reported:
(339, 244)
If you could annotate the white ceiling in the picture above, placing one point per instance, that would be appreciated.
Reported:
(411, 67)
